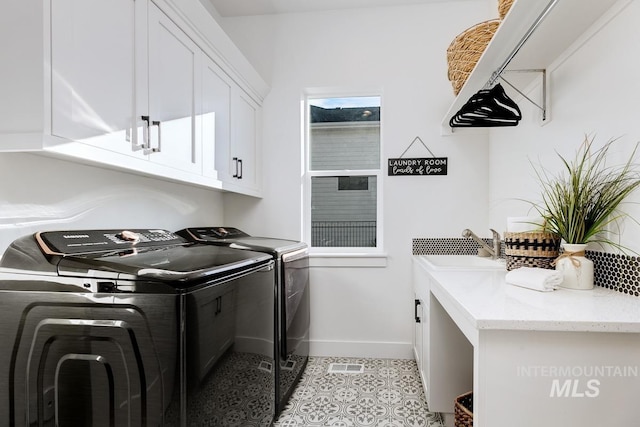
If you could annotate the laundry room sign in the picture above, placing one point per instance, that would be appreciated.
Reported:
(417, 165)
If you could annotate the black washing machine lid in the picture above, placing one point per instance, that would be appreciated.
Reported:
(141, 254)
(238, 239)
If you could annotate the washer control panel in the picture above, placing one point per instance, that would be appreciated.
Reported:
(216, 233)
(83, 241)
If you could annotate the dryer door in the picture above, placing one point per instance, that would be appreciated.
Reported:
(88, 361)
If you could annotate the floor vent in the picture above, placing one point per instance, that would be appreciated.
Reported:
(288, 365)
(346, 368)
(265, 366)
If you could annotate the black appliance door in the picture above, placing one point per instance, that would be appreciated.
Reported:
(294, 321)
(201, 357)
(76, 359)
(229, 341)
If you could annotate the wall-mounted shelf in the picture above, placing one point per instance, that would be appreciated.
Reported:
(566, 22)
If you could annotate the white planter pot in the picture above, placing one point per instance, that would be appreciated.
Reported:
(577, 271)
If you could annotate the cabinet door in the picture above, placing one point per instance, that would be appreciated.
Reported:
(174, 92)
(245, 150)
(98, 63)
(421, 344)
(215, 120)
(417, 332)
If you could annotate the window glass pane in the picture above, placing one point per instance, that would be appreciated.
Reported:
(353, 183)
(343, 218)
(344, 133)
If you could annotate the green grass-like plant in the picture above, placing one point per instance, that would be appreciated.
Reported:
(583, 200)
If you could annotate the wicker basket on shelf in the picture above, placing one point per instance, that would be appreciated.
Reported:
(503, 7)
(531, 249)
(463, 410)
(466, 49)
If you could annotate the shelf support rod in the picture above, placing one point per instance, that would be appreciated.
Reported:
(543, 108)
(496, 74)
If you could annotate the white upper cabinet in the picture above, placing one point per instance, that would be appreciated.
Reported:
(215, 117)
(230, 121)
(239, 162)
(145, 86)
(95, 71)
(125, 78)
(174, 91)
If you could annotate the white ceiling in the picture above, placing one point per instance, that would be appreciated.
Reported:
(265, 7)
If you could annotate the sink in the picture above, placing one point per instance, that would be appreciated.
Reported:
(463, 262)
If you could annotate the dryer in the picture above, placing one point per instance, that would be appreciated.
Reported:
(135, 328)
(291, 300)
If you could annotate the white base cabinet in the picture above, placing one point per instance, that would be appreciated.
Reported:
(558, 359)
(443, 354)
(137, 85)
(421, 325)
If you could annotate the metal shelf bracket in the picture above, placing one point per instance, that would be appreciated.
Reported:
(542, 107)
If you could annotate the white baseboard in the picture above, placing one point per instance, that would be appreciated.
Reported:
(378, 350)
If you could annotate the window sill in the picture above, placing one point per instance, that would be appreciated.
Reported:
(347, 260)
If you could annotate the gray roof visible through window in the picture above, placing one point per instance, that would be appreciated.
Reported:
(333, 115)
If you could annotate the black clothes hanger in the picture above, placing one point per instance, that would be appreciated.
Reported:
(488, 108)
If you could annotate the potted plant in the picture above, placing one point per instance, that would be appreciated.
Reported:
(581, 202)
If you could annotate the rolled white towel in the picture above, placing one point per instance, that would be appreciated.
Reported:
(539, 279)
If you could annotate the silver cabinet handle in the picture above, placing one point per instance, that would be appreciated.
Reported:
(145, 136)
(157, 149)
(238, 173)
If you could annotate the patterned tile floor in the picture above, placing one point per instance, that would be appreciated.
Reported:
(387, 394)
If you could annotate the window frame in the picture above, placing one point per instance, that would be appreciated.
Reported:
(308, 174)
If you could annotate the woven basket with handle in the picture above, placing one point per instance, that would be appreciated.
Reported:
(531, 249)
(466, 49)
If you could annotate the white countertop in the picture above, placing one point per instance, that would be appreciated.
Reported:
(482, 300)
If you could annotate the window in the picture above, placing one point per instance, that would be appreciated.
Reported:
(343, 172)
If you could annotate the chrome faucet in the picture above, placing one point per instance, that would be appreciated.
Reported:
(493, 251)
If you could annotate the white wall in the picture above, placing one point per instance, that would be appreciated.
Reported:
(402, 51)
(41, 193)
(594, 90)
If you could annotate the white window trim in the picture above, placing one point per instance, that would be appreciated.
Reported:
(347, 259)
(341, 256)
